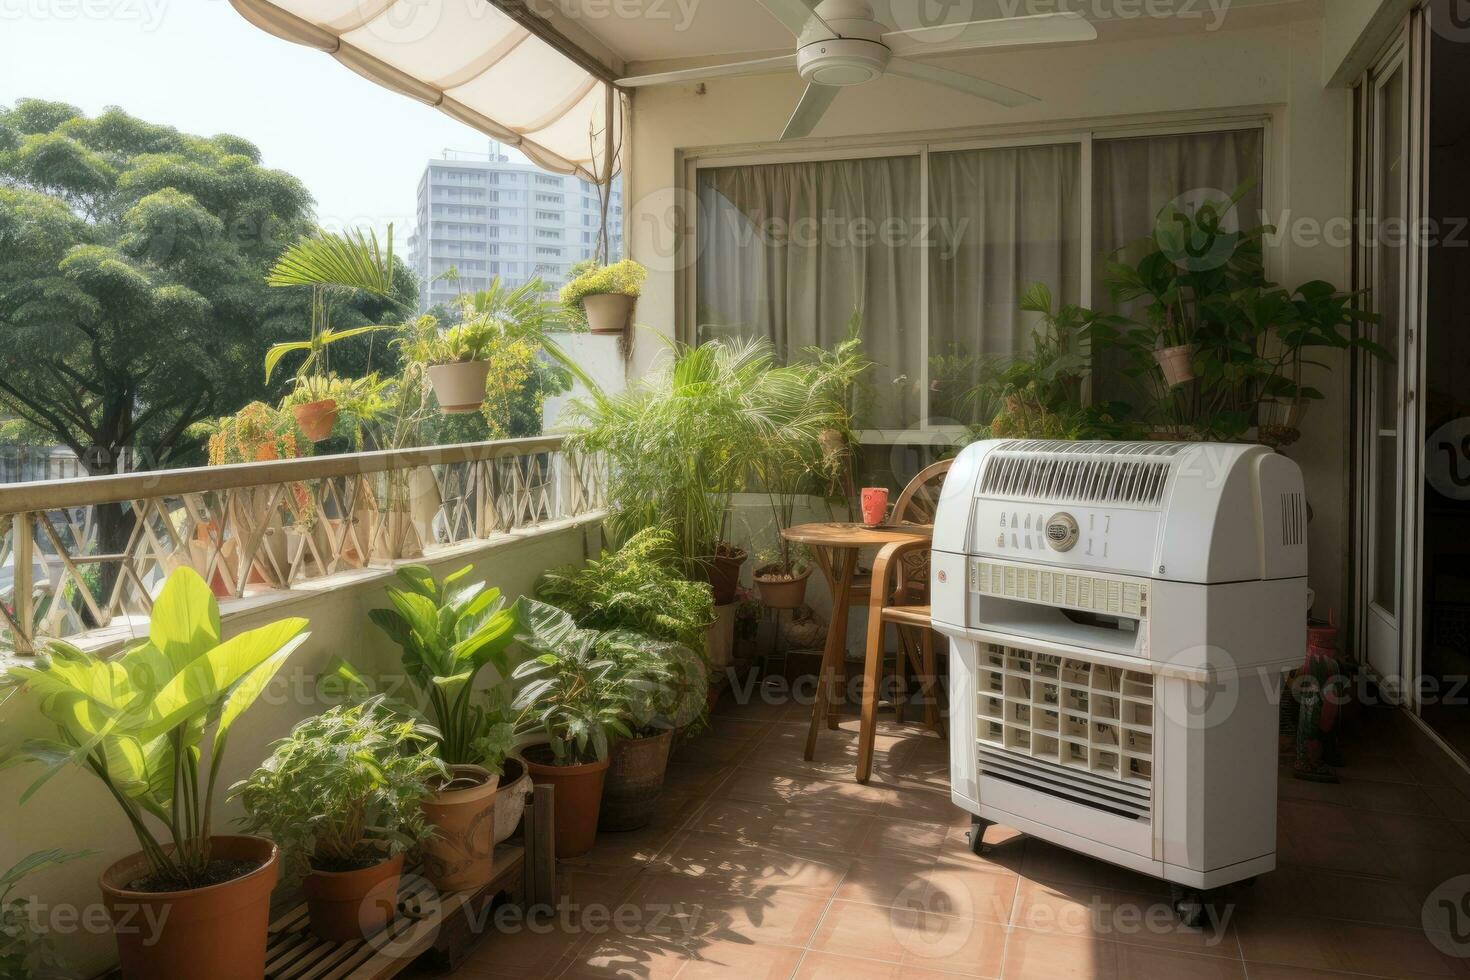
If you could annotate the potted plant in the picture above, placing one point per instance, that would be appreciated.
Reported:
(453, 359)
(153, 725)
(331, 266)
(448, 632)
(577, 700)
(1200, 283)
(666, 684)
(343, 796)
(606, 295)
(24, 952)
(781, 580)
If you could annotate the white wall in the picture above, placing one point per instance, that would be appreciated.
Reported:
(74, 812)
(600, 357)
(1270, 58)
(1355, 31)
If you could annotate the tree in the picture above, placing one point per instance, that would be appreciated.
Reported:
(133, 300)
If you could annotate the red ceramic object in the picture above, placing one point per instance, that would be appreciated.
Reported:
(875, 505)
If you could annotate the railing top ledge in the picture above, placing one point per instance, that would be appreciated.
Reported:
(56, 494)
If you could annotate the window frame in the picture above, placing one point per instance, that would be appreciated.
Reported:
(689, 162)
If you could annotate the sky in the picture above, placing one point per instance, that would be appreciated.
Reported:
(199, 66)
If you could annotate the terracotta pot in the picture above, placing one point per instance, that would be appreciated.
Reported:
(316, 419)
(510, 801)
(350, 905)
(1176, 364)
(719, 638)
(461, 854)
(217, 931)
(577, 801)
(459, 387)
(608, 312)
(724, 573)
(635, 779)
(779, 592)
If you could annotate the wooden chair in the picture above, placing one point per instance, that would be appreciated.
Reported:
(900, 595)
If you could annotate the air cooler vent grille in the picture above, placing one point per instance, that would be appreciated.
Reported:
(1293, 519)
(1089, 480)
(1071, 728)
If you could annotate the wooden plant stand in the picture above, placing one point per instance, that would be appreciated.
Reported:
(441, 929)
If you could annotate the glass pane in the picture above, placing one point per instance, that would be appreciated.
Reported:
(795, 252)
(1390, 234)
(1002, 219)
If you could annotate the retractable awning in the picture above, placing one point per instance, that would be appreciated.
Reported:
(470, 60)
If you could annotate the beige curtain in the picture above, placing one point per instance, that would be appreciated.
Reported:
(794, 251)
(1003, 219)
(1133, 179)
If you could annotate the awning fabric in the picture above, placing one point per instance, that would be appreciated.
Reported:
(468, 59)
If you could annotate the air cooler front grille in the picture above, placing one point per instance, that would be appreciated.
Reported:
(1293, 519)
(1095, 479)
(1074, 729)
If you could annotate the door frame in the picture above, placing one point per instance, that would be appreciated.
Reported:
(1409, 50)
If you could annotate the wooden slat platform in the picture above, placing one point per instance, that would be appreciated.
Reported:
(426, 921)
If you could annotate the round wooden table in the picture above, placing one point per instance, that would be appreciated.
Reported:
(835, 547)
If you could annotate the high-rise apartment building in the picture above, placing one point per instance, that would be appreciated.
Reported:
(488, 215)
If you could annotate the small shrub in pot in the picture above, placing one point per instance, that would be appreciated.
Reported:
(343, 796)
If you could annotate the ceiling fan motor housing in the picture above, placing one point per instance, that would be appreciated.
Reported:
(858, 55)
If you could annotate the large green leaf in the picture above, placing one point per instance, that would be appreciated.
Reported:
(205, 682)
(184, 623)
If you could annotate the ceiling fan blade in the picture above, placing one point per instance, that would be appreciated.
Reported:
(809, 111)
(1002, 32)
(968, 84)
(756, 67)
(798, 16)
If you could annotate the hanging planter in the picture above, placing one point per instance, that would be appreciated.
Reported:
(460, 387)
(606, 295)
(1177, 363)
(781, 589)
(608, 313)
(317, 419)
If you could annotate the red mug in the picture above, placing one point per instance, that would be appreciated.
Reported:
(875, 505)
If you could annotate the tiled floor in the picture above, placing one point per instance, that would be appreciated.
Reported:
(765, 866)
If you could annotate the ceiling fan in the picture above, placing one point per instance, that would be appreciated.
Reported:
(839, 43)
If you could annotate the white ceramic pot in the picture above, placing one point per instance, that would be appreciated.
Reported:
(1176, 364)
(510, 802)
(608, 312)
(459, 387)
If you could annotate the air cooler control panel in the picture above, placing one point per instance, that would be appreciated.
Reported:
(1102, 538)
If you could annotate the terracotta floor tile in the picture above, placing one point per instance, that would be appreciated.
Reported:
(716, 856)
(1042, 956)
(1331, 944)
(631, 957)
(709, 910)
(913, 938)
(964, 890)
(1149, 963)
(1291, 890)
(1043, 861)
(828, 966)
(1122, 917)
(727, 960)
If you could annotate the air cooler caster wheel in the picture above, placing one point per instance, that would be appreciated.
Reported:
(978, 847)
(1189, 906)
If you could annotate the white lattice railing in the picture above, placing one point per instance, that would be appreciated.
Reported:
(267, 526)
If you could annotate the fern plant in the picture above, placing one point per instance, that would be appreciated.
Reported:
(638, 587)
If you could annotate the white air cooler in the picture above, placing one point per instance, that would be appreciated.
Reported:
(1119, 616)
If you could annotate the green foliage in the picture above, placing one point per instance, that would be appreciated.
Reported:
(1202, 285)
(133, 261)
(1039, 395)
(625, 277)
(448, 634)
(254, 434)
(637, 587)
(362, 403)
(24, 953)
(152, 722)
(568, 690)
(668, 683)
(344, 790)
(685, 437)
